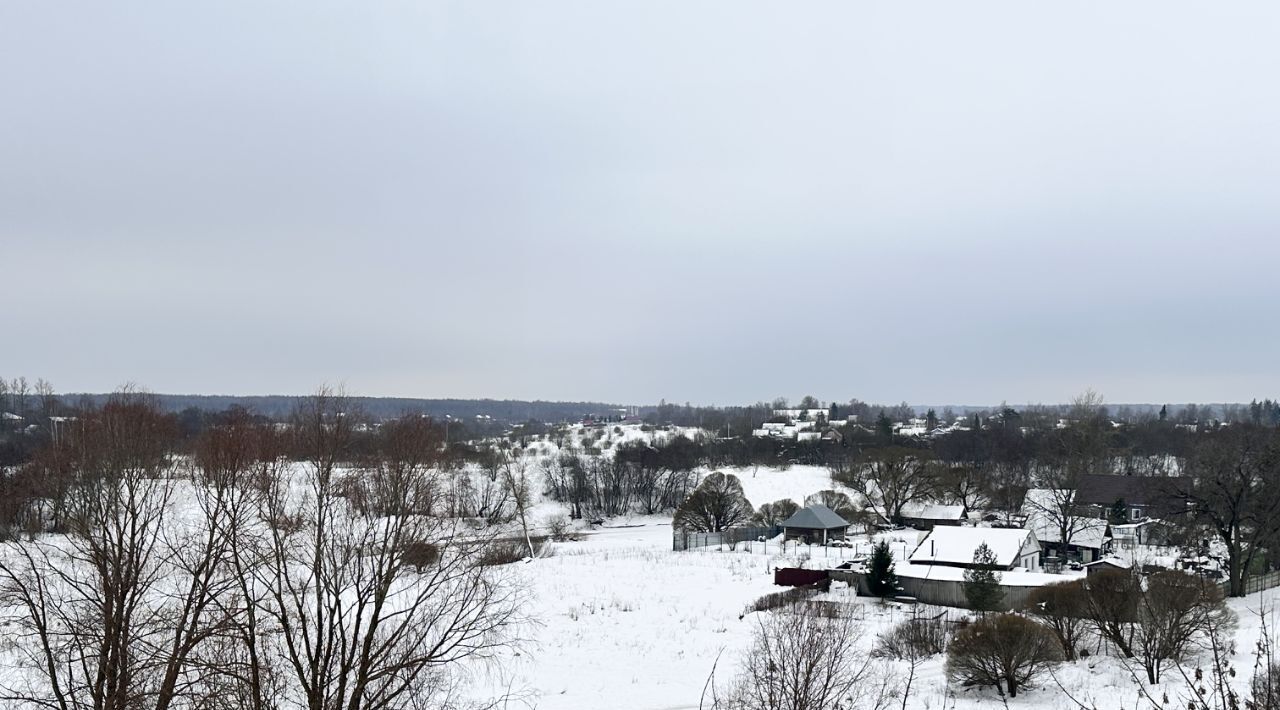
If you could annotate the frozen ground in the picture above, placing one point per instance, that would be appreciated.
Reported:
(624, 622)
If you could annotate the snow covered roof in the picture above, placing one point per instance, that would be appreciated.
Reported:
(1084, 531)
(12, 417)
(955, 545)
(1016, 577)
(1110, 562)
(1038, 499)
(815, 517)
(932, 511)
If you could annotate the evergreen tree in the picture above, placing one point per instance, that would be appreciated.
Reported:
(982, 583)
(1119, 513)
(931, 420)
(881, 579)
(1164, 412)
(884, 426)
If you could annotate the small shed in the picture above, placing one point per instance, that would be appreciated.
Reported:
(1105, 564)
(815, 524)
(925, 515)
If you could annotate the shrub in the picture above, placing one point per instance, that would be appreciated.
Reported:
(509, 550)
(801, 660)
(558, 529)
(787, 597)
(914, 639)
(1265, 688)
(1003, 648)
(420, 554)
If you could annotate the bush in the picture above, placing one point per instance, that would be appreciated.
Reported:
(1265, 688)
(509, 550)
(420, 555)
(799, 660)
(1003, 648)
(914, 639)
(559, 530)
(786, 598)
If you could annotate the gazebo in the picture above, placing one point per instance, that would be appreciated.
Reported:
(816, 523)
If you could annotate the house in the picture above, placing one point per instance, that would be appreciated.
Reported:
(923, 516)
(955, 546)
(1088, 538)
(1147, 532)
(1141, 496)
(815, 524)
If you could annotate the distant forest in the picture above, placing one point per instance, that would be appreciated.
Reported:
(279, 407)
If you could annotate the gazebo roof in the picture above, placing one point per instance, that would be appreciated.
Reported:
(815, 517)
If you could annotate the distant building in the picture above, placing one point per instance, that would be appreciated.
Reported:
(924, 516)
(1142, 496)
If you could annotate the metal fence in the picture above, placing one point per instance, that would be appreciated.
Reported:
(732, 536)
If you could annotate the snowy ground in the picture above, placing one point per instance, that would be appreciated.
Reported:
(626, 623)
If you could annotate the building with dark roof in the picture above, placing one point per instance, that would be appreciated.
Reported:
(815, 524)
(1142, 496)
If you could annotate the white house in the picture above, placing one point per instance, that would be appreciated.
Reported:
(954, 547)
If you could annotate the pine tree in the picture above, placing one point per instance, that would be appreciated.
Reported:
(884, 426)
(1164, 412)
(1119, 513)
(881, 579)
(982, 583)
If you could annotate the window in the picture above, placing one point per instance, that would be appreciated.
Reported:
(1135, 513)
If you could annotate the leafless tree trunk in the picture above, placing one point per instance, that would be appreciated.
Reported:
(363, 628)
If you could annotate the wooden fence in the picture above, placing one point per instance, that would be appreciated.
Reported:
(1254, 584)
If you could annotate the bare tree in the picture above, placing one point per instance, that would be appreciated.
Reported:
(1234, 490)
(774, 513)
(804, 660)
(716, 504)
(892, 477)
(1112, 597)
(109, 615)
(1064, 609)
(362, 624)
(1176, 611)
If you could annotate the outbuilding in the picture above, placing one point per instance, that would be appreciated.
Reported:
(815, 524)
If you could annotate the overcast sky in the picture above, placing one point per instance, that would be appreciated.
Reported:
(719, 202)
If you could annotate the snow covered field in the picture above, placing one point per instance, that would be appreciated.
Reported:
(626, 623)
